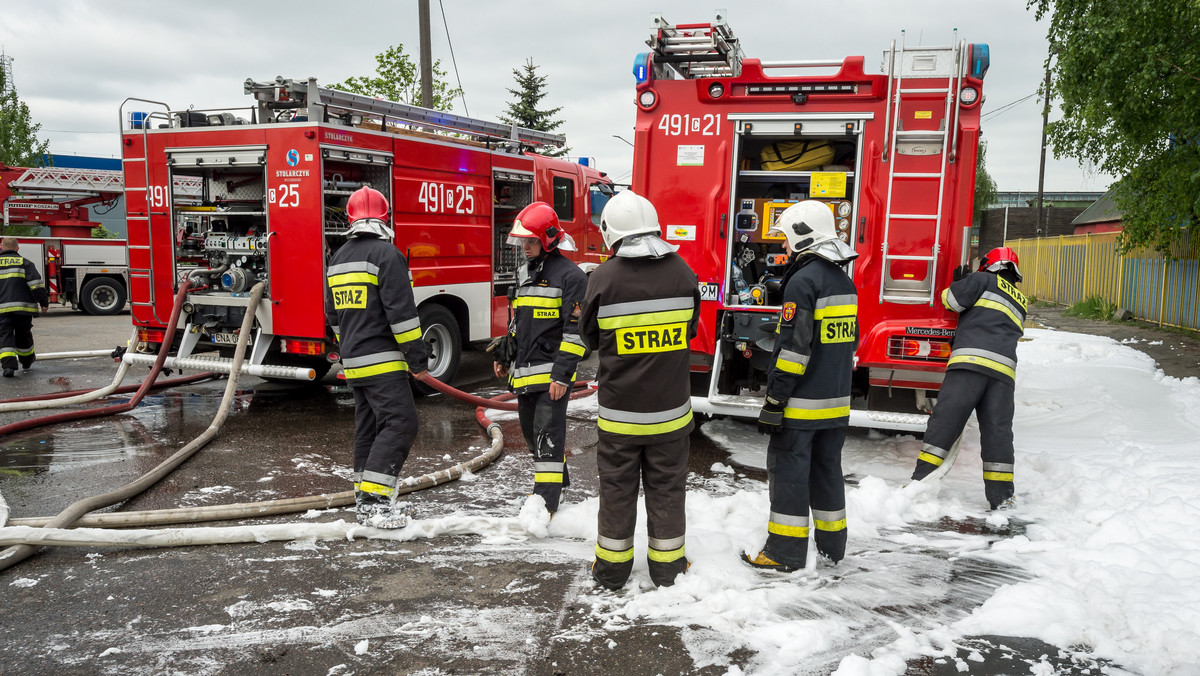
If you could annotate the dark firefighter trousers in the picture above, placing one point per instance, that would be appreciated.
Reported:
(964, 391)
(385, 418)
(544, 426)
(16, 340)
(805, 470)
(661, 469)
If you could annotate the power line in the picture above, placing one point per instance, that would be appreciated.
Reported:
(462, 94)
(993, 113)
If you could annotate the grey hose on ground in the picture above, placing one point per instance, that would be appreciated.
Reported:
(13, 555)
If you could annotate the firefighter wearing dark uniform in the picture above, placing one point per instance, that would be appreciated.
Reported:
(640, 312)
(22, 292)
(545, 326)
(369, 304)
(981, 373)
(807, 406)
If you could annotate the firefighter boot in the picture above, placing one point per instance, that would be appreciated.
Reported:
(27, 362)
(611, 575)
(766, 563)
(378, 511)
(663, 573)
(8, 373)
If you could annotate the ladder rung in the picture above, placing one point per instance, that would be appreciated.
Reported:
(908, 258)
(936, 90)
(920, 133)
(914, 216)
(909, 300)
(915, 175)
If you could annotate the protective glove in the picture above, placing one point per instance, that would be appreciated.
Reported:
(770, 418)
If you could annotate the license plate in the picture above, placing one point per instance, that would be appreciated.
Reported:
(228, 339)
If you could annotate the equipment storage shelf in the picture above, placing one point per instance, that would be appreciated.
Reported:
(781, 176)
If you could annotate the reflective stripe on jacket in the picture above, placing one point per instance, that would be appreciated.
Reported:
(369, 305)
(991, 320)
(641, 313)
(21, 287)
(546, 324)
(813, 359)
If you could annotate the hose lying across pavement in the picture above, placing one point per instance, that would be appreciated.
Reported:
(27, 534)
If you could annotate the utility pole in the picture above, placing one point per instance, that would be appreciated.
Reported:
(426, 58)
(1042, 167)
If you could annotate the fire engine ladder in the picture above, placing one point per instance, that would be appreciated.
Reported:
(942, 64)
(695, 50)
(70, 181)
(322, 99)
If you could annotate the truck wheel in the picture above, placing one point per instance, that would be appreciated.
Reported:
(444, 343)
(102, 296)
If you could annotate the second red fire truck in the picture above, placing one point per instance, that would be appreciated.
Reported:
(275, 177)
(724, 144)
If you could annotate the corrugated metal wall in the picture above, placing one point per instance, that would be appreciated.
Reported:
(1073, 268)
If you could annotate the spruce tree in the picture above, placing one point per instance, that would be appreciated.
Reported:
(19, 144)
(523, 109)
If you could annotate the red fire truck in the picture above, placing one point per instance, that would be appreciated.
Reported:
(725, 143)
(88, 273)
(275, 177)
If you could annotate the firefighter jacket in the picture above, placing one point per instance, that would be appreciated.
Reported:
(369, 304)
(546, 324)
(814, 350)
(641, 313)
(991, 321)
(21, 287)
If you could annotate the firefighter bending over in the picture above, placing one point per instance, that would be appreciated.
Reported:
(641, 309)
(545, 327)
(22, 292)
(369, 304)
(981, 374)
(807, 407)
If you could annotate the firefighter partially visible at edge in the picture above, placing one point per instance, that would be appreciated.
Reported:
(641, 311)
(807, 407)
(545, 328)
(981, 373)
(370, 306)
(22, 292)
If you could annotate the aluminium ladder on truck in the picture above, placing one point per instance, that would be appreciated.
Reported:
(695, 50)
(930, 76)
(323, 102)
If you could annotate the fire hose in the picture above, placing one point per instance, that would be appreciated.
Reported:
(29, 533)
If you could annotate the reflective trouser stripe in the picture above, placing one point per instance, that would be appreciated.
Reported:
(829, 521)
(788, 525)
(24, 351)
(385, 367)
(817, 409)
(7, 352)
(644, 428)
(666, 550)
(932, 454)
(998, 471)
(614, 551)
(372, 487)
(548, 472)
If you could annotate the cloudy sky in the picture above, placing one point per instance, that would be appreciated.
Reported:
(75, 61)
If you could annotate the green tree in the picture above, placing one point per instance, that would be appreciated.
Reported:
(397, 79)
(19, 144)
(523, 109)
(985, 186)
(1127, 77)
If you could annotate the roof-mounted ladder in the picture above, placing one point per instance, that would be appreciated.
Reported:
(695, 50)
(323, 102)
(928, 75)
(50, 179)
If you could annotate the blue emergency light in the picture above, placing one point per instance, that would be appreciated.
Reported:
(980, 60)
(641, 67)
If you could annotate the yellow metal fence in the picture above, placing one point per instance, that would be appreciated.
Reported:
(1156, 288)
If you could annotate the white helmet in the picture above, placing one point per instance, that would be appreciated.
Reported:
(808, 227)
(628, 214)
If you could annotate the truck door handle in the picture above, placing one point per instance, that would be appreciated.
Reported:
(591, 247)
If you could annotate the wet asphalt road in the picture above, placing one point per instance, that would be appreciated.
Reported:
(305, 607)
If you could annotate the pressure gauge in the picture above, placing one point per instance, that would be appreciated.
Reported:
(843, 209)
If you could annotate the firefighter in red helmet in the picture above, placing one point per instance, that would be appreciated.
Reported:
(545, 328)
(981, 374)
(369, 304)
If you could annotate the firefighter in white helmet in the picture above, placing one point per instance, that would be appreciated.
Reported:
(807, 407)
(369, 304)
(545, 326)
(641, 309)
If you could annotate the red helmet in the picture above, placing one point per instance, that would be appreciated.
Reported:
(538, 221)
(367, 202)
(1001, 258)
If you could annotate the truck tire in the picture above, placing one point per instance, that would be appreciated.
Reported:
(444, 342)
(102, 296)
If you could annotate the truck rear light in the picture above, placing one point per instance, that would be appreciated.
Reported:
(304, 347)
(920, 349)
(146, 335)
(647, 98)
